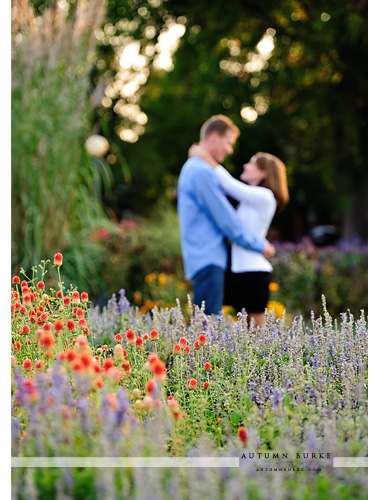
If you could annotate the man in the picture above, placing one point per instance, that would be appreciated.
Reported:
(207, 218)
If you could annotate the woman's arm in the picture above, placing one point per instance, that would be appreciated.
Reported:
(255, 195)
(197, 150)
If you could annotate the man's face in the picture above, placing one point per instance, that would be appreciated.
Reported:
(222, 145)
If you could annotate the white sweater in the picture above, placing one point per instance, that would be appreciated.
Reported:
(256, 210)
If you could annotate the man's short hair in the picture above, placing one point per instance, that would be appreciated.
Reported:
(219, 124)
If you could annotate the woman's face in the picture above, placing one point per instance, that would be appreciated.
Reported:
(252, 174)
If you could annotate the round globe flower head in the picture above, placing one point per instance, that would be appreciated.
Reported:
(39, 364)
(206, 385)
(126, 367)
(66, 301)
(130, 337)
(151, 387)
(192, 383)
(146, 336)
(59, 325)
(71, 325)
(148, 403)
(154, 335)
(242, 435)
(16, 280)
(59, 294)
(207, 366)
(13, 360)
(158, 370)
(82, 324)
(183, 342)
(202, 339)
(27, 364)
(197, 345)
(136, 394)
(99, 382)
(108, 363)
(58, 259)
(79, 312)
(75, 298)
(84, 297)
(139, 343)
(25, 329)
(118, 353)
(176, 349)
(40, 285)
(186, 350)
(118, 337)
(27, 300)
(46, 340)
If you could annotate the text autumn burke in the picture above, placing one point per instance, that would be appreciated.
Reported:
(272, 455)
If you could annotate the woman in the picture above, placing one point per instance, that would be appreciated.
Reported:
(264, 191)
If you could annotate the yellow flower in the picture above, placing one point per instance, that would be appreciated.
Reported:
(274, 287)
(163, 279)
(182, 286)
(227, 310)
(278, 308)
(150, 278)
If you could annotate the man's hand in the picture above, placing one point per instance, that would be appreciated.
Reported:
(269, 251)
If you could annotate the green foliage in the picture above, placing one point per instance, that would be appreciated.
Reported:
(305, 273)
(144, 257)
(54, 181)
(310, 96)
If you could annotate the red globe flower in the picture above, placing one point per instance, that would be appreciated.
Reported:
(59, 325)
(58, 259)
(206, 385)
(242, 434)
(207, 366)
(154, 334)
(192, 383)
(84, 297)
(187, 350)
(139, 343)
(202, 339)
(75, 298)
(118, 337)
(40, 285)
(27, 364)
(71, 325)
(183, 342)
(151, 387)
(130, 337)
(177, 348)
(16, 280)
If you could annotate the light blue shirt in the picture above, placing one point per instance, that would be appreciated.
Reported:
(206, 218)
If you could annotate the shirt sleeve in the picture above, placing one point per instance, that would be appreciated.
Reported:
(254, 195)
(212, 199)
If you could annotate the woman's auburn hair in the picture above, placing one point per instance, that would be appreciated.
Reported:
(276, 179)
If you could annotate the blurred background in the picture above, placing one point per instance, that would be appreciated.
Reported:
(107, 97)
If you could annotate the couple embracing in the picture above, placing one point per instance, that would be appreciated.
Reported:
(207, 220)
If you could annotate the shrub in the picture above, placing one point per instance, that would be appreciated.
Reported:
(53, 179)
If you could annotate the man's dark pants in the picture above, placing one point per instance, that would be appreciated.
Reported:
(208, 285)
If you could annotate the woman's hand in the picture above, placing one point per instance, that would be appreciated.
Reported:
(197, 150)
